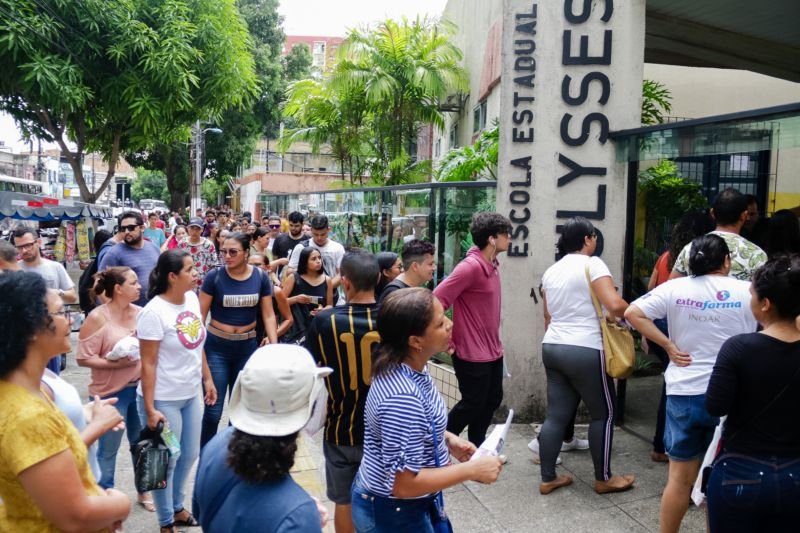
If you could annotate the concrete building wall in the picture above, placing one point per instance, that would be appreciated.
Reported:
(478, 22)
(702, 92)
(277, 182)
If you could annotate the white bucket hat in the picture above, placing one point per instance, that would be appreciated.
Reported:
(275, 392)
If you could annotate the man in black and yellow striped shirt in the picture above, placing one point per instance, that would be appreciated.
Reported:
(342, 338)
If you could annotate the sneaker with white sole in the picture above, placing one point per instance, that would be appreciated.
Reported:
(575, 444)
(534, 447)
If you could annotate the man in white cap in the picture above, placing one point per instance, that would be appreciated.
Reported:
(243, 481)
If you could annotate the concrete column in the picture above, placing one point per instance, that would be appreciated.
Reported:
(571, 73)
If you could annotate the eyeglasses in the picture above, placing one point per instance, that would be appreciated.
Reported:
(130, 228)
(23, 247)
(274, 226)
(233, 252)
(66, 313)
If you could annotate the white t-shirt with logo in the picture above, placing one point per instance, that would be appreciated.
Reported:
(573, 317)
(181, 334)
(332, 254)
(702, 313)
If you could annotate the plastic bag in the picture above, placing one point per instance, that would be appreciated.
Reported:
(125, 347)
(150, 460)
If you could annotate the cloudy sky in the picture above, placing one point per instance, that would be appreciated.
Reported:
(308, 17)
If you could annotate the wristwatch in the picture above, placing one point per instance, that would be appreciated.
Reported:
(61, 292)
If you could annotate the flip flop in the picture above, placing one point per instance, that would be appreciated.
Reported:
(189, 521)
(147, 502)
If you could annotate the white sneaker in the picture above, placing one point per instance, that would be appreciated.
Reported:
(575, 444)
(534, 447)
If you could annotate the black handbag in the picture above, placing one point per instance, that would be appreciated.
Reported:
(150, 460)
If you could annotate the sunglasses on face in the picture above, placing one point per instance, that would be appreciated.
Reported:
(233, 252)
(129, 228)
(274, 226)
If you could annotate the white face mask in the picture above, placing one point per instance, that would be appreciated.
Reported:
(318, 412)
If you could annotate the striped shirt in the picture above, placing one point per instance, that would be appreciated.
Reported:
(400, 406)
(342, 338)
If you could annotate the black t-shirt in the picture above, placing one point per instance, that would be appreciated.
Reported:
(394, 285)
(284, 244)
(751, 370)
(342, 338)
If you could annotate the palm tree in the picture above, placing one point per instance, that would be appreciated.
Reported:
(405, 70)
(335, 118)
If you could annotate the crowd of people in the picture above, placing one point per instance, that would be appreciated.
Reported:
(299, 333)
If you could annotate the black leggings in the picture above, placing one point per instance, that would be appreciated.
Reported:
(575, 373)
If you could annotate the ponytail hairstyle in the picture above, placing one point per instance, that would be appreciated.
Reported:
(779, 280)
(707, 254)
(573, 236)
(105, 281)
(404, 313)
(170, 262)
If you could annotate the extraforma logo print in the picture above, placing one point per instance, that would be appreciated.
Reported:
(722, 302)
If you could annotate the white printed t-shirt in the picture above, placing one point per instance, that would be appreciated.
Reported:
(573, 317)
(181, 334)
(332, 254)
(702, 313)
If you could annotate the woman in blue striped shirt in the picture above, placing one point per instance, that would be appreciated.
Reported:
(405, 465)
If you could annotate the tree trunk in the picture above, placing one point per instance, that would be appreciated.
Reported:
(176, 193)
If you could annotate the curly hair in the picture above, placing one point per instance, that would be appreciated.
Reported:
(259, 459)
(691, 225)
(23, 313)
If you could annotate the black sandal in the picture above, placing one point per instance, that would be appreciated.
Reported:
(189, 521)
(169, 528)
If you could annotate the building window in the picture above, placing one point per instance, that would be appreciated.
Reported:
(318, 54)
(454, 136)
(437, 148)
(479, 117)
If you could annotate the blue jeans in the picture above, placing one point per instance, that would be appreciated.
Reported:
(225, 360)
(754, 493)
(108, 443)
(184, 418)
(378, 514)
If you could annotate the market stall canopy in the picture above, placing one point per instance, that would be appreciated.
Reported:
(21, 206)
(762, 37)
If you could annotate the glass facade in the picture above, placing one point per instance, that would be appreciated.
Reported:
(384, 218)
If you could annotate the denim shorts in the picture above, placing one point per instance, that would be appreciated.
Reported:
(689, 427)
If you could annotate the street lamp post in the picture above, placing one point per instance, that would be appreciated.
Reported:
(196, 185)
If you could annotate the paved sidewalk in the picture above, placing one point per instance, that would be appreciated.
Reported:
(512, 504)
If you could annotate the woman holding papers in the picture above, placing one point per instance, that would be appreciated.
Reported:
(406, 461)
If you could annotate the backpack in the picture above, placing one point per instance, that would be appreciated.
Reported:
(85, 284)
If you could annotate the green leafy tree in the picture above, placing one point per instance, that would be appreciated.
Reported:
(119, 76)
(405, 70)
(471, 162)
(667, 196)
(335, 117)
(388, 81)
(150, 184)
(214, 192)
(297, 63)
(656, 102)
(173, 160)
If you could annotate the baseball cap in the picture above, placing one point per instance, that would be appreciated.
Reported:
(275, 393)
(195, 221)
